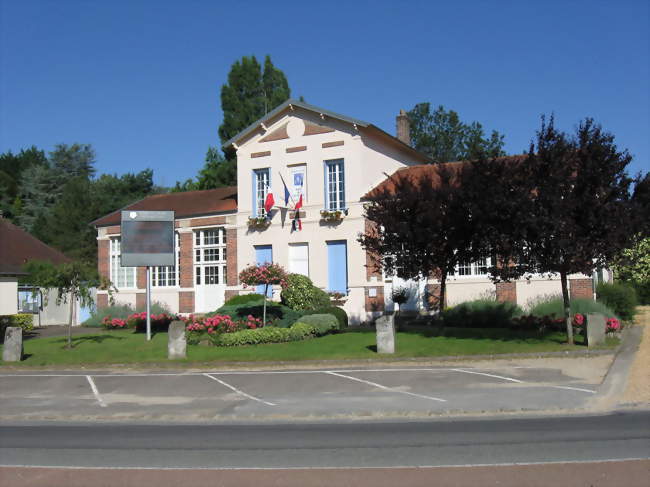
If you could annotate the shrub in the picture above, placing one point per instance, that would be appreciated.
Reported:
(324, 323)
(114, 323)
(159, 322)
(540, 324)
(620, 297)
(21, 320)
(244, 299)
(480, 313)
(553, 306)
(121, 311)
(276, 314)
(300, 293)
(268, 334)
(642, 289)
(340, 314)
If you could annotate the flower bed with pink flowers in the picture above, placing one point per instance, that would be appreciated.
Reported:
(612, 324)
(138, 321)
(198, 329)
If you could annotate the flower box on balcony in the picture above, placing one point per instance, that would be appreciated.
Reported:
(258, 222)
(333, 216)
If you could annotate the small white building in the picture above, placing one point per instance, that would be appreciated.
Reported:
(328, 161)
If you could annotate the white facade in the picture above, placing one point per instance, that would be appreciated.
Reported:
(8, 295)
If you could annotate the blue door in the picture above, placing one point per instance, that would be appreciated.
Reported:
(264, 254)
(337, 266)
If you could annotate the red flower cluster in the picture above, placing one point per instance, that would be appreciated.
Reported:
(267, 273)
(220, 324)
(578, 319)
(613, 324)
(113, 323)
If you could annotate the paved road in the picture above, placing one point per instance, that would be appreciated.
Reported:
(610, 450)
(301, 394)
(397, 444)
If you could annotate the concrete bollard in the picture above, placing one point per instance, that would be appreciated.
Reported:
(13, 346)
(595, 329)
(177, 343)
(385, 326)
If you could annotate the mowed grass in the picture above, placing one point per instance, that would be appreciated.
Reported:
(126, 347)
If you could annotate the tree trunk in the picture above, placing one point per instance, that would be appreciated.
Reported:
(72, 305)
(266, 290)
(443, 291)
(567, 307)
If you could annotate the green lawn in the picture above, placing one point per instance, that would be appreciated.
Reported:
(126, 347)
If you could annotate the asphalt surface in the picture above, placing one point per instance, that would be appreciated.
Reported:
(299, 394)
(336, 445)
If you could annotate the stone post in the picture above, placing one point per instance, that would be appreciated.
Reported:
(595, 329)
(177, 344)
(385, 326)
(13, 347)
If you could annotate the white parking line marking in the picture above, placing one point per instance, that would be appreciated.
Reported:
(489, 375)
(95, 391)
(240, 392)
(384, 387)
(574, 389)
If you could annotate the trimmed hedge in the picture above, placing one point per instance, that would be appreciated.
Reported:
(324, 323)
(301, 294)
(480, 313)
(620, 297)
(268, 334)
(21, 320)
(553, 306)
(281, 316)
(243, 299)
(340, 314)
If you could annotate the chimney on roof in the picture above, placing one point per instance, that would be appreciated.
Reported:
(403, 127)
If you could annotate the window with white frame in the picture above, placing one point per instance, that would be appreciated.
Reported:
(121, 277)
(473, 269)
(167, 276)
(334, 185)
(210, 256)
(261, 181)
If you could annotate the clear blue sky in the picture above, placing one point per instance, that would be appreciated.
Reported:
(140, 80)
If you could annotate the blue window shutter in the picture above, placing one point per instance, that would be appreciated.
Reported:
(263, 254)
(337, 266)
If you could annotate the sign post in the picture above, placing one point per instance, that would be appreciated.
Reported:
(147, 240)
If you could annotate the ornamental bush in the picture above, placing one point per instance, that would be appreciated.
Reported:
(324, 323)
(121, 311)
(553, 306)
(340, 314)
(276, 313)
(620, 297)
(244, 299)
(267, 273)
(20, 320)
(300, 293)
(268, 334)
(480, 313)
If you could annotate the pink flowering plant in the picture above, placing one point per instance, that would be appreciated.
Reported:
(266, 274)
(159, 322)
(198, 328)
(613, 325)
(113, 323)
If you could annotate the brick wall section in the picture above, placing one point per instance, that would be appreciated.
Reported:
(141, 277)
(186, 302)
(375, 303)
(232, 279)
(372, 269)
(230, 293)
(213, 220)
(506, 292)
(432, 292)
(186, 261)
(102, 258)
(581, 289)
(141, 301)
(102, 301)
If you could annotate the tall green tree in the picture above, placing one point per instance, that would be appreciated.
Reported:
(249, 94)
(76, 160)
(11, 169)
(444, 137)
(216, 173)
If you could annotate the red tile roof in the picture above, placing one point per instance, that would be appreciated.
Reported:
(185, 204)
(17, 247)
(414, 173)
